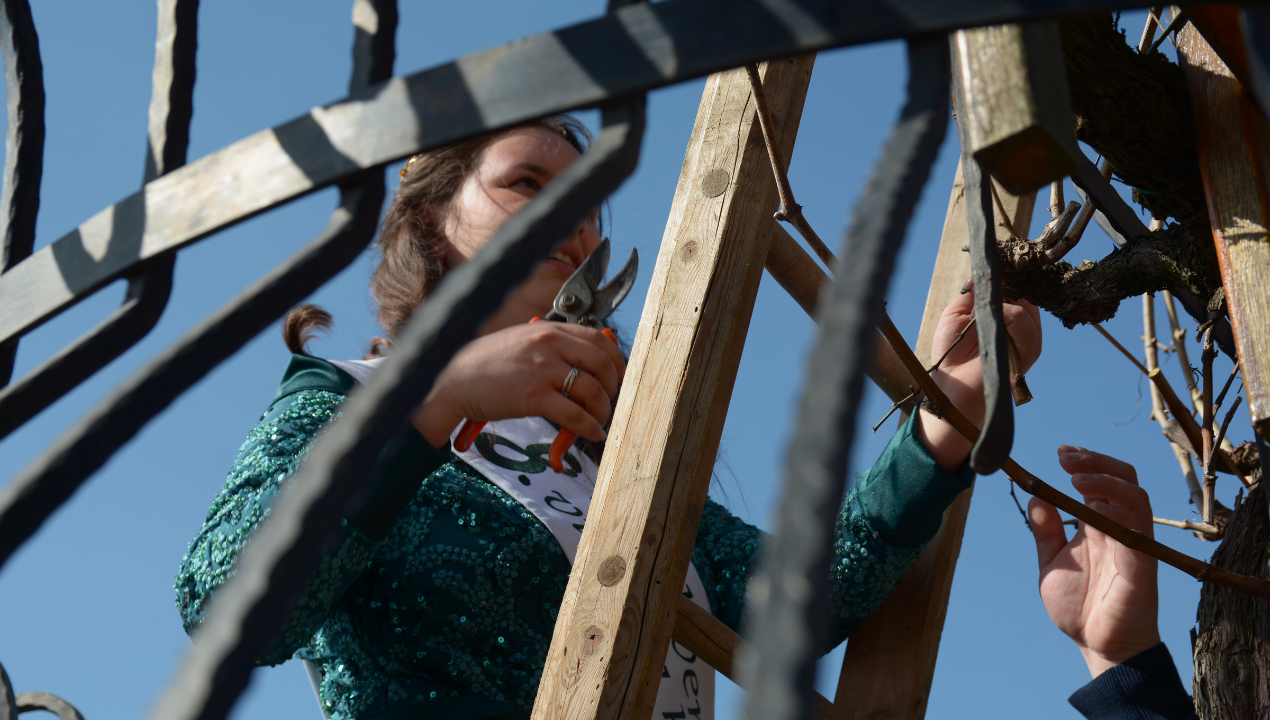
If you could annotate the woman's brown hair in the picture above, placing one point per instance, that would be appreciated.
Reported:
(411, 238)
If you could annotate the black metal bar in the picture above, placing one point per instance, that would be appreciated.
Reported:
(172, 95)
(143, 304)
(1254, 25)
(24, 146)
(168, 138)
(248, 609)
(48, 702)
(791, 600)
(994, 443)
(374, 43)
(635, 49)
(8, 703)
(53, 477)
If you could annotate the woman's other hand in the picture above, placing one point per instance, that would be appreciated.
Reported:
(518, 372)
(1100, 593)
(960, 377)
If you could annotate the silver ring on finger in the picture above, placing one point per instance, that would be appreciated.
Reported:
(574, 372)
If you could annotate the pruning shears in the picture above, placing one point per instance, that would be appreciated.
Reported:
(581, 301)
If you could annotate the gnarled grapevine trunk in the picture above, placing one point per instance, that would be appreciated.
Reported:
(1232, 649)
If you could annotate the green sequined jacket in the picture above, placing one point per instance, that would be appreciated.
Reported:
(445, 608)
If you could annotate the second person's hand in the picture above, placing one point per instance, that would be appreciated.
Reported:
(1100, 593)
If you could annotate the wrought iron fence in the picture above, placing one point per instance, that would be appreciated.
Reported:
(607, 63)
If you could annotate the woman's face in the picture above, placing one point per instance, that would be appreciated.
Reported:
(512, 170)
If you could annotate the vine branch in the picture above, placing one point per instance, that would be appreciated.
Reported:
(790, 211)
(1029, 483)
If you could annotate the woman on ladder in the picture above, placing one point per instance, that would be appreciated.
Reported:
(440, 597)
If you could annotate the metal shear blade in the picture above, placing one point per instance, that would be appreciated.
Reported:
(582, 300)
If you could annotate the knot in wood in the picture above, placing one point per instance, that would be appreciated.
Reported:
(611, 571)
(592, 639)
(689, 251)
(715, 182)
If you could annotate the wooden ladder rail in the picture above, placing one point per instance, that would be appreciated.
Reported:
(621, 604)
(621, 687)
(890, 662)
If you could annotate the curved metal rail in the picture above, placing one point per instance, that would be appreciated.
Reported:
(24, 146)
(790, 612)
(608, 62)
(150, 283)
(633, 50)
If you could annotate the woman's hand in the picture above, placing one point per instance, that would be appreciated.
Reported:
(1098, 592)
(959, 375)
(518, 372)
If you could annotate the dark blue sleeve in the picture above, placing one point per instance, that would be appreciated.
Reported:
(1144, 687)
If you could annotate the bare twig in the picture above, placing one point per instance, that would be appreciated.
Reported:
(1175, 406)
(1142, 368)
(1054, 230)
(1206, 424)
(917, 393)
(1026, 522)
(1159, 346)
(1179, 344)
(1019, 391)
(1179, 18)
(1221, 397)
(960, 335)
(1197, 400)
(790, 211)
(1132, 539)
(896, 406)
(1213, 532)
(1158, 410)
(1077, 229)
(1148, 31)
(1230, 415)
(1056, 199)
(1005, 216)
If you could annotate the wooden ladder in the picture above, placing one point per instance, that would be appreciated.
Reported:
(623, 603)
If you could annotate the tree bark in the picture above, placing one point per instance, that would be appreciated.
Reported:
(1166, 259)
(1232, 647)
(1136, 111)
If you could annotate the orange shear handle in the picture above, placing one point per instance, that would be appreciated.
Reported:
(564, 439)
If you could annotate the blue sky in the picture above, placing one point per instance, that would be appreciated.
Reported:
(86, 608)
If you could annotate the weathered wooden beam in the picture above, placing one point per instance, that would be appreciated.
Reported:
(1019, 112)
(1218, 23)
(794, 270)
(890, 661)
(619, 609)
(1234, 161)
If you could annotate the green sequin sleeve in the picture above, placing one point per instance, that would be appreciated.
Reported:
(883, 526)
(267, 459)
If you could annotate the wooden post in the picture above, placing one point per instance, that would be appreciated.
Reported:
(1234, 162)
(1019, 110)
(890, 660)
(621, 604)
